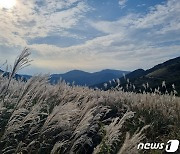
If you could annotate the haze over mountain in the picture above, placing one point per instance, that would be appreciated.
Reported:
(168, 71)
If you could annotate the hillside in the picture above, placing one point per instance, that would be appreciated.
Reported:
(85, 78)
(168, 71)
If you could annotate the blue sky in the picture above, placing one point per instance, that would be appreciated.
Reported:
(90, 35)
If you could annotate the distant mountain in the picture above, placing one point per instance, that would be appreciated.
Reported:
(86, 78)
(17, 76)
(78, 77)
(1, 71)
(168, 71)
(132, 75)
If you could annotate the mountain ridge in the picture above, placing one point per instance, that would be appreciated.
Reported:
(168, 71)
(85, 78)
(78, 77)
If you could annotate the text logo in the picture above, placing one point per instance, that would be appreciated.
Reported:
(170, 146)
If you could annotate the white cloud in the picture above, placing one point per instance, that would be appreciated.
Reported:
(133, 38)
(160, 25)
(122, 3)
(27, 20)
(127, 43)
(161, 15)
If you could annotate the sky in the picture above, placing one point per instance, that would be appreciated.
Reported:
(90, 35)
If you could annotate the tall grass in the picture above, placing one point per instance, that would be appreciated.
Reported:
(37, 117)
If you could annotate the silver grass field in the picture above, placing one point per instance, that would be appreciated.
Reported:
(38, 117)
